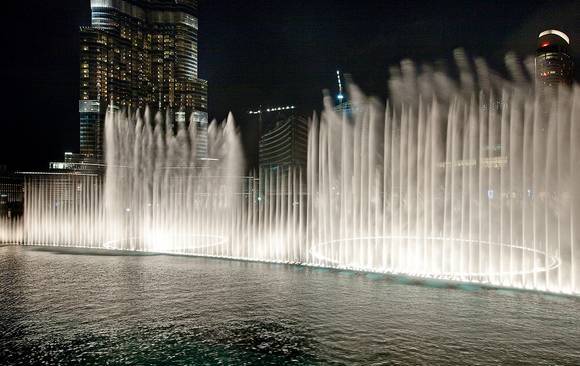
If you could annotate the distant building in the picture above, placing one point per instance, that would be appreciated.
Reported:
(79, 163)
(138, 53)
(59, 192)
(284, 145)
(282, 149)
(266, 118)
(554, 65)
(344, 107)
(91, 118)
(200, 121)
(11, 193)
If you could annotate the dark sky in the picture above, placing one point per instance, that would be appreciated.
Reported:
(257, 53)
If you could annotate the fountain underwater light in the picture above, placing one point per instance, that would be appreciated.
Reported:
(163, 243)
(381, 252)
(473, 180)
(441, 184)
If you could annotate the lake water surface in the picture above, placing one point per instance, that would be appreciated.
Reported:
(64, 307)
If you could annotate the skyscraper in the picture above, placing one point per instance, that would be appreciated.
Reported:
(284, 144)
(138, 53)
(554, 66)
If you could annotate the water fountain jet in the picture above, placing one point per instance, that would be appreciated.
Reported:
(472, 180)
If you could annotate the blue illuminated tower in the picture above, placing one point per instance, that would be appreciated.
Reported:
(340, 96)
(342, 103)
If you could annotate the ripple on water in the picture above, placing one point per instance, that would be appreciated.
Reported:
(161, 310)
(375, 276)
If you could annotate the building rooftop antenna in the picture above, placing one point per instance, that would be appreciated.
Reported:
(340, 96)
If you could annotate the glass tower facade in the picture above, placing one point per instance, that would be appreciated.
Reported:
(554, 66)
(90, 118)
(200, 120)
(138, 53)
(284, 145)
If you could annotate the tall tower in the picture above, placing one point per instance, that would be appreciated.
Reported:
(340, 96)
(138, 53)
(554, 66)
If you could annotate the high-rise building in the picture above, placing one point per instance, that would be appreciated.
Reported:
(200, 120)
(283, 150)
(554, 65)
(138, 53)
(91, 117)
(343, 103)
(284, 145)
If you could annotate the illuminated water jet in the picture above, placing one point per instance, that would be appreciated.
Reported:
(474, 181)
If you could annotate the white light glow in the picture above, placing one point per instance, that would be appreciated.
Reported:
(557, 33)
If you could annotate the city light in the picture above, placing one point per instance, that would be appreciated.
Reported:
(273, 109)
(340, 96)
(426, 211)
(557, 33)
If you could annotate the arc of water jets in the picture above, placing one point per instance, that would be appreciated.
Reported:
(476, 181)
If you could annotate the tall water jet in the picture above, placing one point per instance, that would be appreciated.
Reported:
(453, 181)
(10, 230)
(471, 180)
(159, 195)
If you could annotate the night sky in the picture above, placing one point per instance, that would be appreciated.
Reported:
(257, 53)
